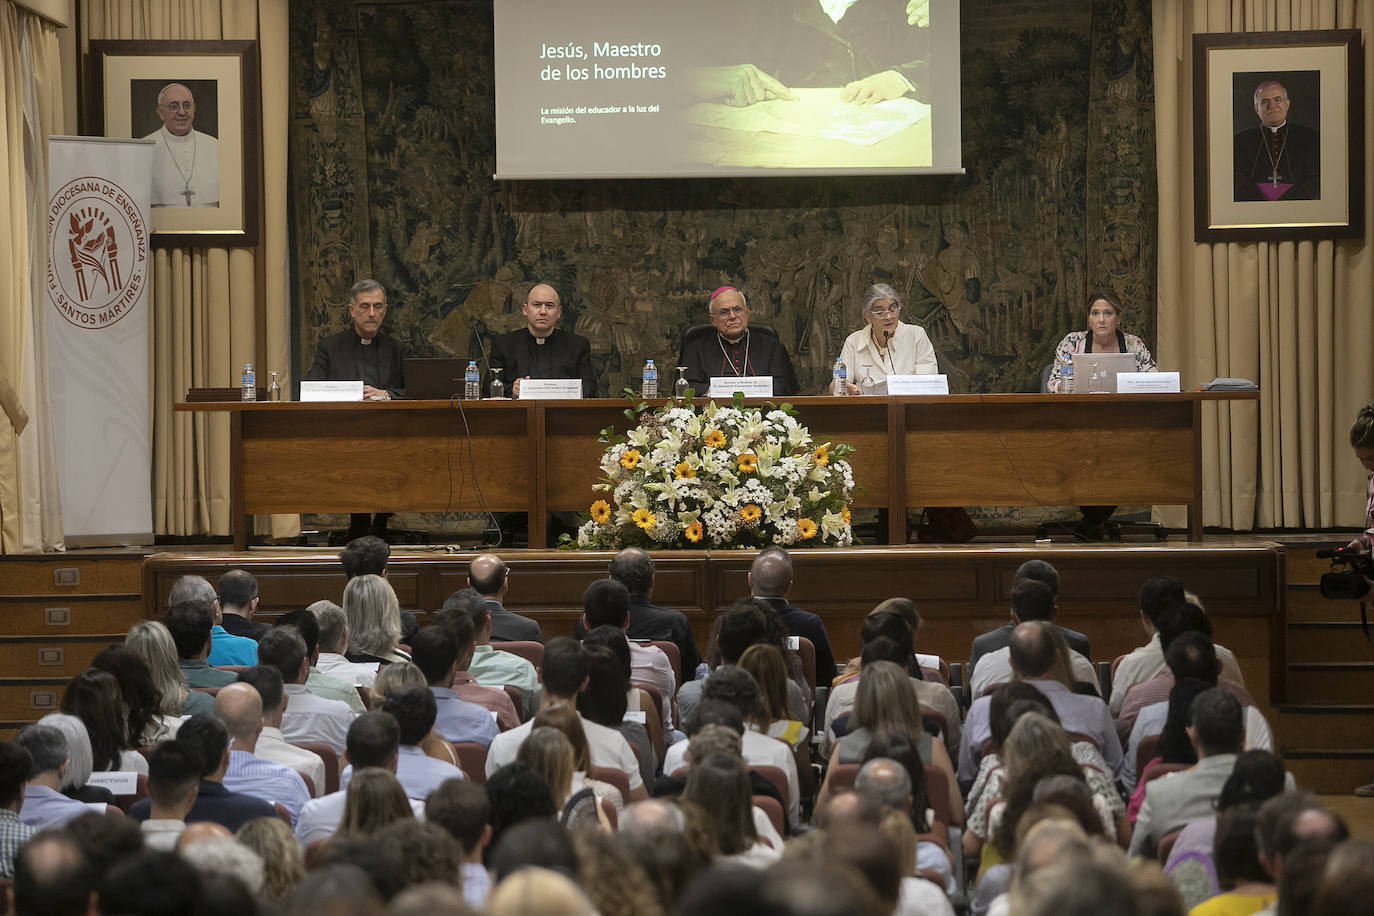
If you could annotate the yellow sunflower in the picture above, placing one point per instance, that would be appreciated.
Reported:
(601, 512)
(750, 512)
(748, 463)
(714, 439)
(822, 456)
(844, 514)
(683, 469)
(629, 459)
(693, 532)
(807, 528)
(644, 519)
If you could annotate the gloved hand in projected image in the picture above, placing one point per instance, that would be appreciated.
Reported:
(889, 84)
(740, 85)
(918, 13)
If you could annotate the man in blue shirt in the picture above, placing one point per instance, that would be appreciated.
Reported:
(239, 707)
(434, 650)
(225, 647)
(213, 801)
(418, 774)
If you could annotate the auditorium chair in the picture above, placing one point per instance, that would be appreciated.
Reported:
(331, 762)
(674, 654)
(517, 699)
(703, 330)
(1166, 845)
(806, 650)
(472, 760)
(282, 813)
(615, 777)
(778, 778)
(1156, 770)
(769, 806)
(1145, 751)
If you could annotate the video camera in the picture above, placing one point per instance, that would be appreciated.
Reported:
(1348, 579)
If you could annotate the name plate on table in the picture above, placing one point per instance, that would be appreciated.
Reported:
(332, 391)
(751, 386)
(119, 782)
(918, 384)
(1141, 382)
(550, 389)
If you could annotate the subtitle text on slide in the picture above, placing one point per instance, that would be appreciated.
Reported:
(568, 114)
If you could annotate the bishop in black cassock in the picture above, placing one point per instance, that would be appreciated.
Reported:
(733, 351)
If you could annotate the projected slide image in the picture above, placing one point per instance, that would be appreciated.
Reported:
(602, 88)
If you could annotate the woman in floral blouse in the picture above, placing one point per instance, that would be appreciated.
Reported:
(1101, 336)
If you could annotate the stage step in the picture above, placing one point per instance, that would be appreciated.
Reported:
(1319, 683)
(1331, 772)
(1327, 641)
(1306, 604)
(1345, 727)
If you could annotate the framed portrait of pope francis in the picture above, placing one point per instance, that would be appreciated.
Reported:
(196, 103)
(1278, 135)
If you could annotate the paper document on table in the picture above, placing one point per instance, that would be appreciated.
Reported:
(816, 113)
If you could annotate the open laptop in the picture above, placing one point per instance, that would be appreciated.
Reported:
(434, 379)
(1113, 364)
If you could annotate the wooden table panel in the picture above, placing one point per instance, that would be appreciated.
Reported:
(420, 460)
(543, 456)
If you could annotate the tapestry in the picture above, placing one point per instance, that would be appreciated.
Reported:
(392, 156)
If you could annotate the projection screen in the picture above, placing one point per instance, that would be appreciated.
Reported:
(711, 88)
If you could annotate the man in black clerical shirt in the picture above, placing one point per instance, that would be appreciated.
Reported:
(733, 351)
(540, 349)
(1276, 159)
(368, 353)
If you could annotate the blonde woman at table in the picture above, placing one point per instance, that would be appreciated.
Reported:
(887, 346)
(1101, 336)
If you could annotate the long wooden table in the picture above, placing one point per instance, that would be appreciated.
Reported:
(542, 456)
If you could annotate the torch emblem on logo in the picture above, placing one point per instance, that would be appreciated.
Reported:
(94, 252)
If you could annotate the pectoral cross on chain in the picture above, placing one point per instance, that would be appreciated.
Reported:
(188, 194)
(1273, 181)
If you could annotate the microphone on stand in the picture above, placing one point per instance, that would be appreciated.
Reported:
(887, 338)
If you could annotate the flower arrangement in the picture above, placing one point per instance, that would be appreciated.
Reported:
(720, 477)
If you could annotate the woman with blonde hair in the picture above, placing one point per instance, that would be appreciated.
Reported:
(548, 752)
(152, 641)
(374, 799)
(374, 621)
(771, 716)
(391, 678)
(538, 892)
(885, 702)
(563, 718)
(283, 863)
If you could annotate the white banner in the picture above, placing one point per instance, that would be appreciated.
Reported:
(99, 270)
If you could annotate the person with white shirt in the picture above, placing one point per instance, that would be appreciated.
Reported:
(306, 717)
(373, 741)
(734, 685)
(334, 642)
(271, 745)
(173, 781)
(565, 673)
(239, 707)
(419, 774)
(44, 805)
(1030, 600)
(606, 602)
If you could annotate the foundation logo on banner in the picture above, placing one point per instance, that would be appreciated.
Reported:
(97, 252)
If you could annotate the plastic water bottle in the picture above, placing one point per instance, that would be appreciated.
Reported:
(274, 389)
(1066, 377)
(837, 379)
(249, 382)
(472, 382)
(648, 382)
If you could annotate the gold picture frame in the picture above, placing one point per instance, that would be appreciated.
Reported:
(126, 86)
(1256, 179)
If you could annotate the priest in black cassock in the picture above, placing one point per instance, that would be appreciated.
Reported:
(1276, 159)
(540, 349)
(733, 351)
(363, 352)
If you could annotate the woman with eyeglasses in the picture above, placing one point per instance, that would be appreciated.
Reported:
(887, 346)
